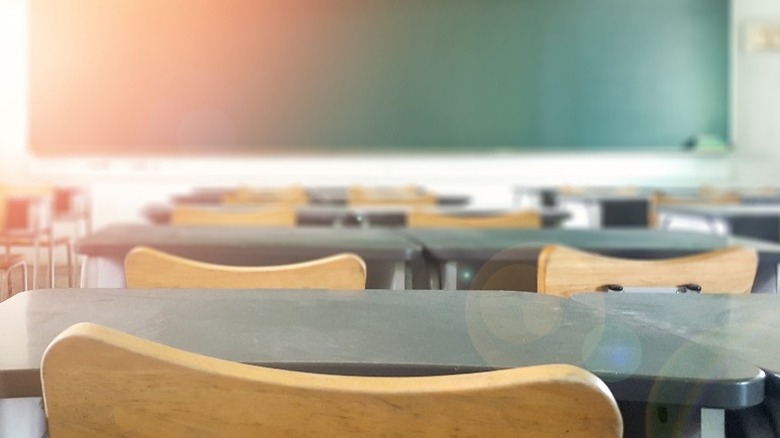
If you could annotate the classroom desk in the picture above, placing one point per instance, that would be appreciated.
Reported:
(466, 257)
(744, 326)
(615, 210)
(320, 215)
(322, 196)
(340, 216)
(748, 220)
(391, 260)
(394, 333)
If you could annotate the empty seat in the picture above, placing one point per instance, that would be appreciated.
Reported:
(433, 219)
(150, 268)
(271, 217)
(101, 382)
(564, 271)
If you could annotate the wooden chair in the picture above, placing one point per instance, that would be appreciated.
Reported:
(358, 196)
(150, 268)
(290, 196)
(101, 382)
(563, 271)
(270, 217)
(707, 195)
(724, 199)
(27, 222)
(9, 262)
(433, 219)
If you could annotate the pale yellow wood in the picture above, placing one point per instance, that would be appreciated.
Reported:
(101, 382)
(705, 198)
(283, 216)
(391, 196)
(290, 196)
(563, 271)
(433, 219)
(150, 268)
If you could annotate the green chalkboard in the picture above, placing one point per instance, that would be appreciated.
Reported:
(179, 77)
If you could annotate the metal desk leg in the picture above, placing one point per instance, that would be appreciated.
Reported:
(595, 211)
(450, 275)
(400, 276)
(52, 268)
(22, 418)
(713, 424)
(102, 272)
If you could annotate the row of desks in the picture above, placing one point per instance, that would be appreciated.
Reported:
(319, 196)
(402, 258)
(695, 355)
(342, 216)
(751, 215)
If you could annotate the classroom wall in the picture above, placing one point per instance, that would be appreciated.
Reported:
(757, 96)
(122, 185)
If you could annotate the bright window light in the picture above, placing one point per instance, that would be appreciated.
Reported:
(13, 76)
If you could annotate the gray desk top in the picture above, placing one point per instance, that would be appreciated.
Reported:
(384, 332)
(605, 197)
(250, 245)
(742, 325)
(482, 244)
(723, 211)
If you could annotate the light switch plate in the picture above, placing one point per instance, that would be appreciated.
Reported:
(763, 38)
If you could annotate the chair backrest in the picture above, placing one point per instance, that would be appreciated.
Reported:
(563, 271)
(283, 216)
(706, 196)
(433, 219)
(150, 268)
(25, 211)
(390, 196)
(290, 196)
(101, 382)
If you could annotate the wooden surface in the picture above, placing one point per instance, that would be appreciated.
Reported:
(402, 196)
(564, 271)
(277, 216)
(290, 196)
(148, 268)
(98, 381)
(432, 219)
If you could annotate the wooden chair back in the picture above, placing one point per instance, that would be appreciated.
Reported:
(290, 196)
(150, 268)
(101, 382)
(563, 271)
(358, 196)
(433, 219)
(283, 216)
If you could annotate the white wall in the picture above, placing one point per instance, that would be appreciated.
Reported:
(757, 97)
(122, 185)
